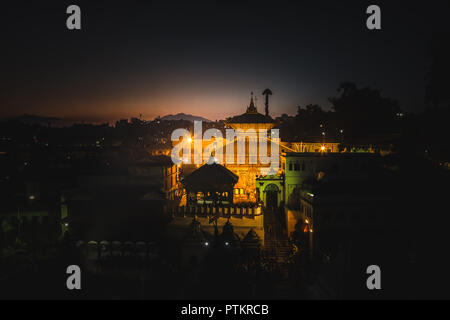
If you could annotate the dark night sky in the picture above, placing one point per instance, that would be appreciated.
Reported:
(204, 58)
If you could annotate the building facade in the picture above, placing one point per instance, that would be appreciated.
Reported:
(253, 187)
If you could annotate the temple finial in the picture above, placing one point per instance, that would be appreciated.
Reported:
(251, 108)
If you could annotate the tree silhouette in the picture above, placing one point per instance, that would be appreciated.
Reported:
(363, 112)
(437, 87)
(267, 93)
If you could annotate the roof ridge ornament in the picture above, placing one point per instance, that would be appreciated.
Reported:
(251, 108)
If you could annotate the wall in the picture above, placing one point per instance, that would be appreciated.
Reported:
(242, 219)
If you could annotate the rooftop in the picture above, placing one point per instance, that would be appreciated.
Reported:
(332, 154)
(251, 116)
(210, 177)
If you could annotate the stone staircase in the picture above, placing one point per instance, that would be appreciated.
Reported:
(278, 251)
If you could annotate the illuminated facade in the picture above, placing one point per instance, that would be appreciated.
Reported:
(245, 189)
(251, 186)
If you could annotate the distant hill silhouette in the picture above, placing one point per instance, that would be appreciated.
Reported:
(183, 116)
(31, 119)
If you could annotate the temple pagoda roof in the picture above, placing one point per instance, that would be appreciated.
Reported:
(251, 115)
(210, 177)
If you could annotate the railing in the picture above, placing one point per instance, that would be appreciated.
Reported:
(235, 211)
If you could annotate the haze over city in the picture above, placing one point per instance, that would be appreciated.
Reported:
(204, 59)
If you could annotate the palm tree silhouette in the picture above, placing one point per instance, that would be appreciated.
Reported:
(267, 93)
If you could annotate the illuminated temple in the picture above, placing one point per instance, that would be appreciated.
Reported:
(251, 185)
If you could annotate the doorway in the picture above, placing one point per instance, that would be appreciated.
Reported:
(271, 196)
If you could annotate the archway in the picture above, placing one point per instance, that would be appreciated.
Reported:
(271, 196)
